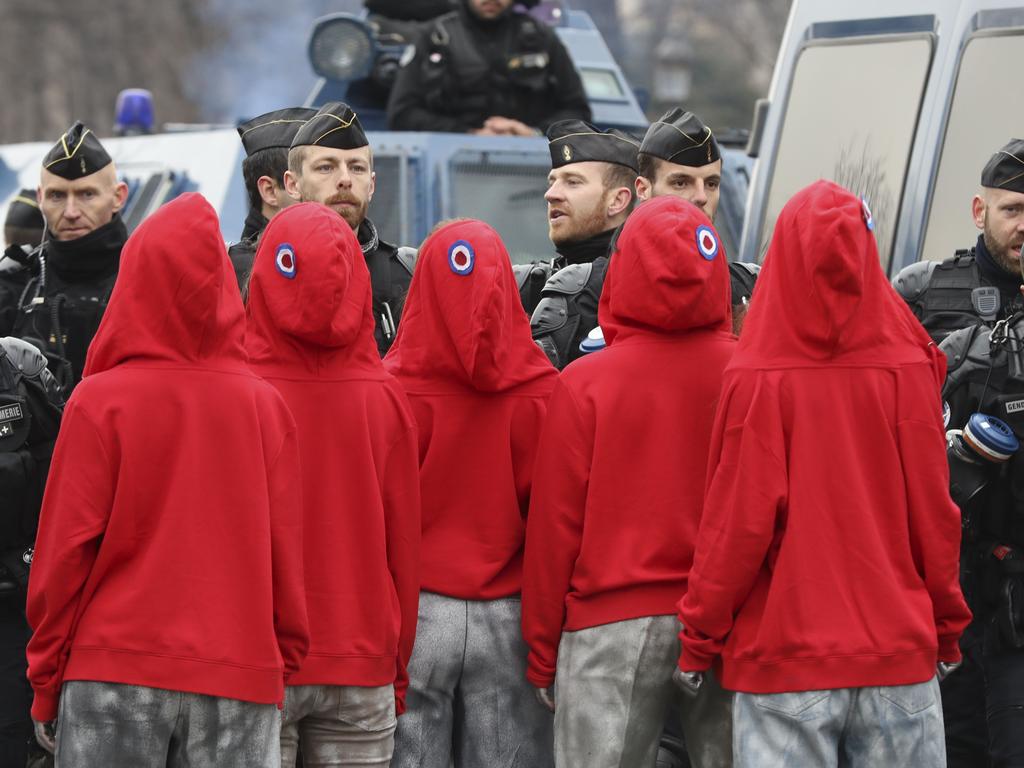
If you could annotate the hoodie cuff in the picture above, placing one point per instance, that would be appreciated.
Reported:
(44, 705)
(693, 662)
(949, 649)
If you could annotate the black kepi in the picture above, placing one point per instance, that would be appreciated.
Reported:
(273, 129)
(680, 137)
(334, 125)
(577, 141)
(76, 154)
(1005, 169)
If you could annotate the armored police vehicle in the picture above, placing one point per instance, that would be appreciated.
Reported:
(422, 178)
(900, 102)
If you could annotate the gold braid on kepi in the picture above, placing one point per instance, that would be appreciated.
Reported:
(335, 125)
(680, 137)
(77, 153)
(1005, 169)
(577, 141)
(272, 130)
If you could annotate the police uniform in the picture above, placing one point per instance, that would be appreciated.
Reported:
(23, 231)
(62, 303)
(269, 132)
(30, 408)
(466, 69)
(337, 126)
(983, 701)
(970, 287)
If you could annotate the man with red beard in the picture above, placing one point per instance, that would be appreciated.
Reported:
(330, 162)
(589, 196)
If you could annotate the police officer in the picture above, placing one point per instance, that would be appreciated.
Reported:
(590, 194)
(60, 308)
(983, 703)
(23, 231)
(330, 162)
(979, 284)
(266, 140)
(486, 69)
(30, 408)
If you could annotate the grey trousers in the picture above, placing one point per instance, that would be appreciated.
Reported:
(107, 724)
(613, 686)
(469, 703)
(897, 725)
(338, 725)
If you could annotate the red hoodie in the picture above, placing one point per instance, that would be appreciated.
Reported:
(828, 552)
(310, 334)
(169, 547)
(620, 471)
(479, 387)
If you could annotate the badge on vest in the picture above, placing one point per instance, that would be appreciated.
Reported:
(14, 424)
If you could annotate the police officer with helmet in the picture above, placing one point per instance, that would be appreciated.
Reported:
(979, 284)
(485, 68)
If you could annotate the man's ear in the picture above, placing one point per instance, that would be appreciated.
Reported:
(120, 195)
(268, 191)
(978, 211)
(644, 188)
(291, 186)
(619, 202)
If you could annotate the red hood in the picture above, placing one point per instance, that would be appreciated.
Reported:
(176, 297)
(310, 299)
(661, 279)
(822, 295)
(463, 319)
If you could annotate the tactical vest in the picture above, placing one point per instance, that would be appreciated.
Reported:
(567, 311)
(459, 78)
(30, 411)
(942, 294)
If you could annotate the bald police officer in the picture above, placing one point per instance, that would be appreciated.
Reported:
(62, 305)
(330, 162)
(266, 140)
(980, 284)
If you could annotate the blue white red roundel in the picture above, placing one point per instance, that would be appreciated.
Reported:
(285, 260)
(461, 257)
(707, 242)
(869, 219)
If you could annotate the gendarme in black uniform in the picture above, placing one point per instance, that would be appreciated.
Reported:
(983, 702)
(567, 310)
(266, 140)
(948, 296)
(335, 125)
(60, 306)
(467, 69)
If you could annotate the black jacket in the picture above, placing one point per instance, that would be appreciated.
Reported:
(390, 274)
(466, 71)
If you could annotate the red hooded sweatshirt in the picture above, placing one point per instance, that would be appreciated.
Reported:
(169, 552)
(310, 334)
(829, 548)
(478, 387)
(620, 472)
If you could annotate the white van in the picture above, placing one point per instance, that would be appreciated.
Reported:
(902, 102)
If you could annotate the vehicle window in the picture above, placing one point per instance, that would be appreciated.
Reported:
(851, 116)
(507, 195)
(986, 112)
(601, 84)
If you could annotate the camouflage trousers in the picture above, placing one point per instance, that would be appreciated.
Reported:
(107, 724)
(898, 725)
(613, 688)
(338, 725)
